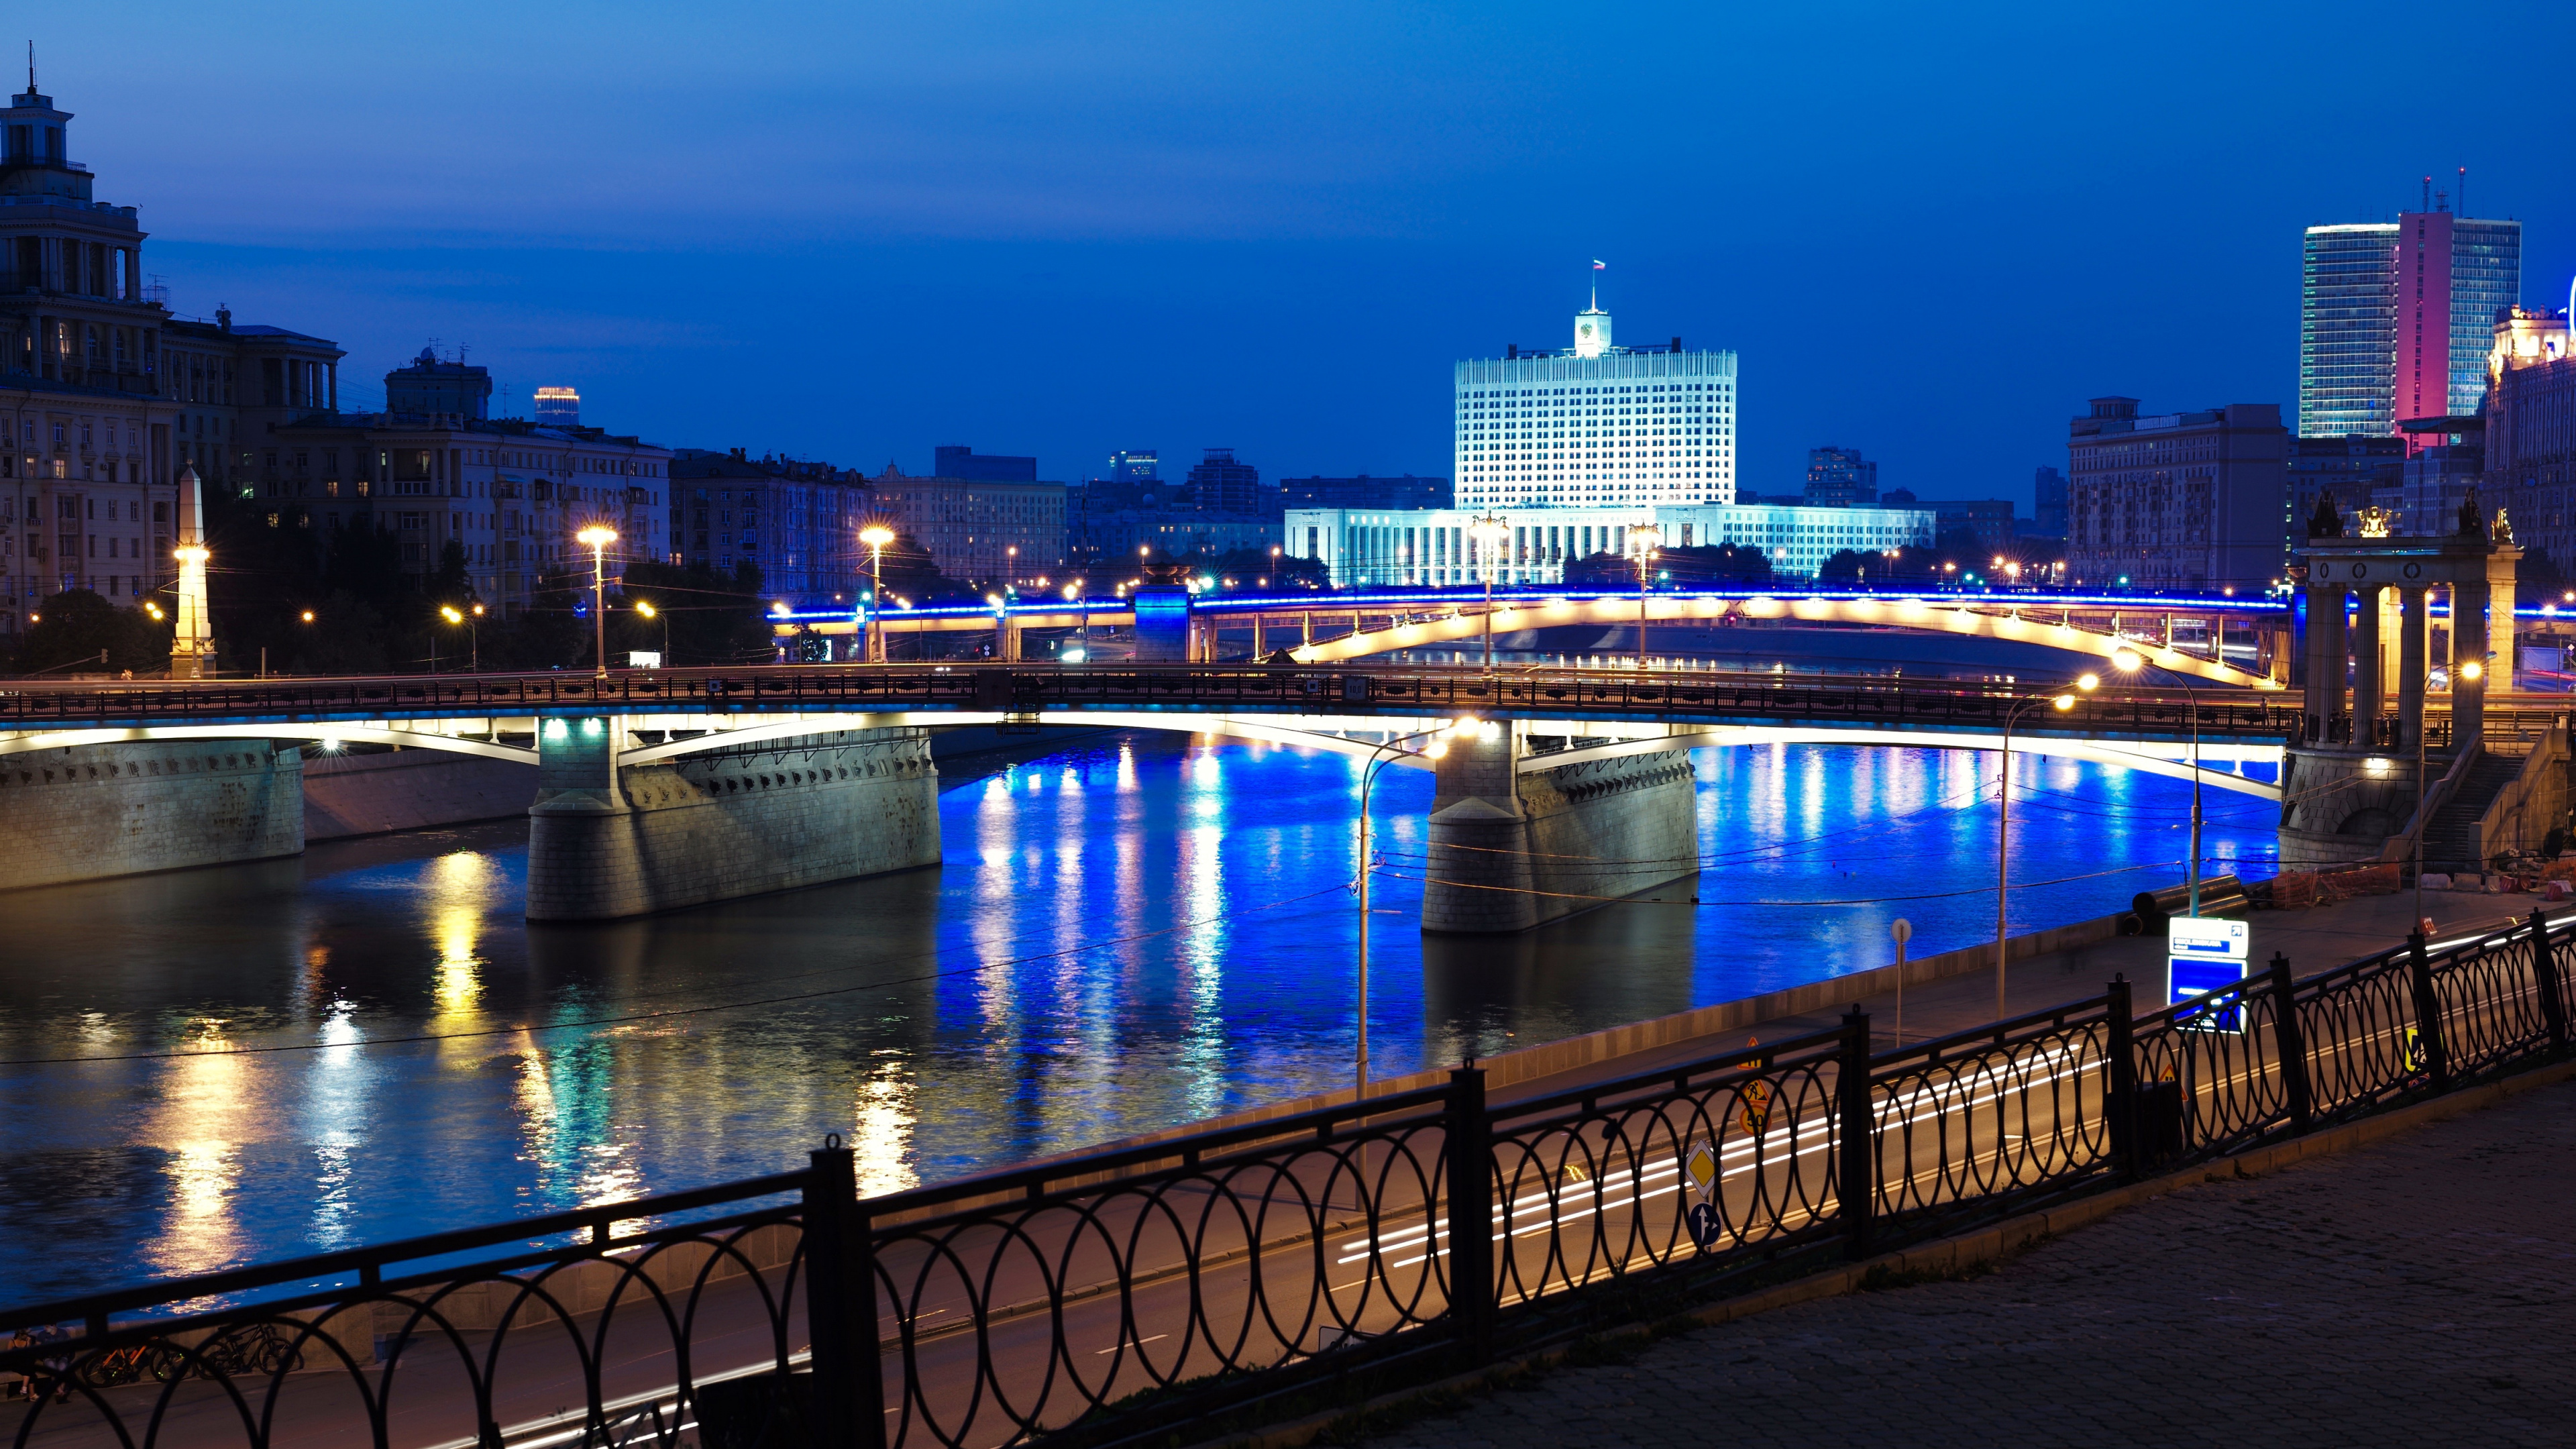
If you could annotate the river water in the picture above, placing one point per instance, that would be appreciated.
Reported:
(1128, 932)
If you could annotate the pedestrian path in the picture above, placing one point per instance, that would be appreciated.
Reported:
(2418, 1291)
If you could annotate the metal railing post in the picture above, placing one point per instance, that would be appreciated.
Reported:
(2428, 1013)
(1855, 1180)
(2120, 1102)
(840, 1306)
(1470, 1173)
(2544, 978)
(2289, 1044)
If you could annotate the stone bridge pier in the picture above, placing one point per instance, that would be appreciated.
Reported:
(606, 842)
(1513, 847)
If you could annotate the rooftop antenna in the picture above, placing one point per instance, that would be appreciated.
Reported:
(2462, 195)
(2428, 193)
(31, 67)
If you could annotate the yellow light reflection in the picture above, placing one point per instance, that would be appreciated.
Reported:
(881, 1130)
(203, 1114)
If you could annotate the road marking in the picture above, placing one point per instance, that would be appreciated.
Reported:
(1132, 1343)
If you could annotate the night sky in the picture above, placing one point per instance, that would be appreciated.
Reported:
(856, 231)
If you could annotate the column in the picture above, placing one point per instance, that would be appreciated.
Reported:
(2391, 631)
(2338, 665)
(2367, 685)
(2500, 655)
(2468, 646)
(2319, 705)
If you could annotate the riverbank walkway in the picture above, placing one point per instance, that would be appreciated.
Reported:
(2315, 939)
(2419, 1290)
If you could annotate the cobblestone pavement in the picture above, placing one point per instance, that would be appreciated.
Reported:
(2419, 1292)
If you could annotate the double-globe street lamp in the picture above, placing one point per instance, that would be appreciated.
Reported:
(473, 632)
(1645, 538)
(2130, 661)
(1438, 747)
(599, 536)
(1489, 531)
(2060, 700)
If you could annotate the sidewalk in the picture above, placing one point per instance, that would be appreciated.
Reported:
(2315, 939)
(2418, 1291)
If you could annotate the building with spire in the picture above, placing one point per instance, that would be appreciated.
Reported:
(1596, 424)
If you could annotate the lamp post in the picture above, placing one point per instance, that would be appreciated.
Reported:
(2003, 819)
(1368, 779)
(1074, 595)
(645, 608)
(454, 614)
(2471, 671)
(599, 537)
(1488, 531)
(876, 536)
(2129, 661)
(1643, 537)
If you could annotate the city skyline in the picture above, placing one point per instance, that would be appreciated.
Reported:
(1272, 219)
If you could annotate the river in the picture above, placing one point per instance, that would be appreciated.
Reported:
(211, 1067)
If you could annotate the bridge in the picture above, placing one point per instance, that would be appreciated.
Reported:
(657, 789)
(2241, 642)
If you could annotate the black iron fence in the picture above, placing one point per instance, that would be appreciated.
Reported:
(1132, 1294)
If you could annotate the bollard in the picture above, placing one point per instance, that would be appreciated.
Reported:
(1469, 1166)
(2120, 1097)
(2428, 1014)
(840, 1305)
(2544, 978)
(2289, 1044)
(1855, 1184)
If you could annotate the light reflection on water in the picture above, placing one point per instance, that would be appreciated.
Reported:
(1128, 933)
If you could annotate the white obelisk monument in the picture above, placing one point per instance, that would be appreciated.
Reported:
(192, 643)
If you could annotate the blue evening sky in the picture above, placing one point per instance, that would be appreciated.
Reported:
(855, 231)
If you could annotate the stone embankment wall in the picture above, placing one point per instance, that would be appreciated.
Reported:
(726, 824)
(1510, 851)
(96, 811)
(347, 794)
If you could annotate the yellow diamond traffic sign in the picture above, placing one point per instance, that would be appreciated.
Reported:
(1701, 1165)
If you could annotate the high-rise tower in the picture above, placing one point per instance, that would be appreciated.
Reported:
(2396, 318)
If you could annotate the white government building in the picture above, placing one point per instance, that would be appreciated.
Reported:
(1569, 452)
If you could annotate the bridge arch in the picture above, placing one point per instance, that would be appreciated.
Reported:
(1933, 615)
(318, 734)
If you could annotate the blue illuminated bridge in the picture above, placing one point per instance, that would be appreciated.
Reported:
(658, 715)
(2229, 640)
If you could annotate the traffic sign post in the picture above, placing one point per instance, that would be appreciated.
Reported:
(1903, 930)
(2205, 961)
(1700, 1166)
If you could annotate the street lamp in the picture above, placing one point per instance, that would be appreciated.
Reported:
(2470, 671)
(2129, 661)
(1643, 537)
(474, 634)
(599, 537)
(2060, 701)
(876, 536)
(1073, 594)
(1368, 778)
(645, 608)
(1488, 531)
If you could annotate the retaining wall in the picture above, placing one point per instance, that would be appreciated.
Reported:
(96, 811)
(726, 824)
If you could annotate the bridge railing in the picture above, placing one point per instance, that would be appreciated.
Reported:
(1103, 1297)
(1030, 689)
